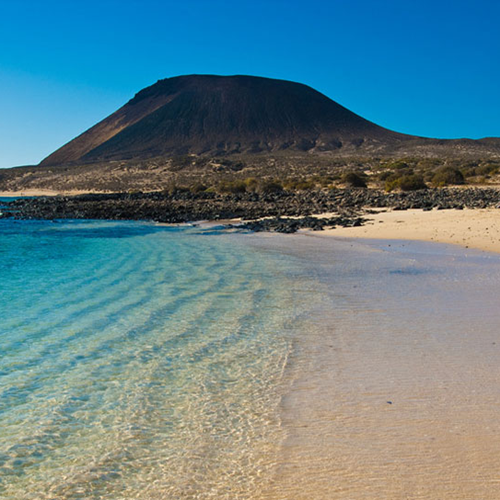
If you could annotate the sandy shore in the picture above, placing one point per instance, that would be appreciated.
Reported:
(478, 229)
(40, 192)
(395, 391)
(470, 228)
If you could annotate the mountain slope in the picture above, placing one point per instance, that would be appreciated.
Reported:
(214, 114)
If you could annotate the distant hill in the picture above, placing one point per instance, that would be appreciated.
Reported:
(221, 115)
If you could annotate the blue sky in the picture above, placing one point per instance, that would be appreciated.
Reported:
(428, 68)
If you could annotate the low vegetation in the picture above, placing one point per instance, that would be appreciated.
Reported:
(446, 176)
(352, 179)
(261, 174)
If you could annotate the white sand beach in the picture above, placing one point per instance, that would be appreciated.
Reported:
(42, 192)
(396, 393)
(469, 228)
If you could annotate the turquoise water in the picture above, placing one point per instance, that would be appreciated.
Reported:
(139, 361)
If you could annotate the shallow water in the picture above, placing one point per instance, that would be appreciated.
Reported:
(399, 370)
(139, 361)
(143, 361)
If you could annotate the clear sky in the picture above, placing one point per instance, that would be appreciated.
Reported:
(422, 67)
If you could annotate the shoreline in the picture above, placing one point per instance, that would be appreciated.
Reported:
(32, 193)
(465, 217)
(398, 370)
(468, 228)
(394, 392)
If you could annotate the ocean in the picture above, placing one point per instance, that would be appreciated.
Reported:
(145, 361)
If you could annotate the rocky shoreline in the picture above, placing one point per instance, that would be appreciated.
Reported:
(281, 211)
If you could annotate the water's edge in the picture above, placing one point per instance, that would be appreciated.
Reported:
(143, 361)
(395, 389)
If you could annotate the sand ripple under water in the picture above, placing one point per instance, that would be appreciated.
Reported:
(138, 361)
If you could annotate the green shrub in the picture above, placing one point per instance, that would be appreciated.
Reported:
(299, 184)
(468, 171)
(406, 183)
(352, 179)
(391, 183)
(429, 163)
(321, 180)
(304, 185)
(251, 184)
(233, 187)
(391, 174)
(385, 175)
(411, 183)
(487, 169)
(173, 188)
(447, 175)
(398, 165)
(269, 186)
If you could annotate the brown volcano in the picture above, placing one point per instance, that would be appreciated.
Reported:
(220, 115)
(224, 114)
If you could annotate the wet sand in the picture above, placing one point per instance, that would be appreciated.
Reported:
(396, 391)
(469, 228)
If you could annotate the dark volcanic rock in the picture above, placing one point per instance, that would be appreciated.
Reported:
(282, 212)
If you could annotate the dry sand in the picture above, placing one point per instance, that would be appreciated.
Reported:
(478, 229)
(41, 192)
